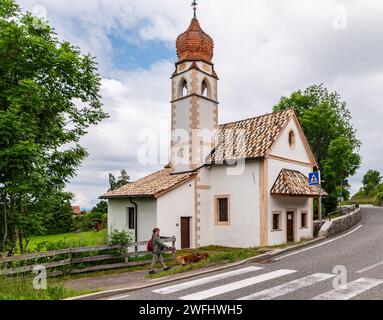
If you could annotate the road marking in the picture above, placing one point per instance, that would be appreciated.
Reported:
(371, 267)
(350, 290)
(198, 282)
(318, 245)
(237, 285)
(118, 297)
(288, 287)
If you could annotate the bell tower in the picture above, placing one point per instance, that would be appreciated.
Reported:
(194, 99)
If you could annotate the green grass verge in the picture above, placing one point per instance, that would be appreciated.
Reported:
(68, 240)
(21, 288)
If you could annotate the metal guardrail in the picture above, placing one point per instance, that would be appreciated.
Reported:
(343, 211)
(78, 256)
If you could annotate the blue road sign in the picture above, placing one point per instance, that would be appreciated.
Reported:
(314, 179)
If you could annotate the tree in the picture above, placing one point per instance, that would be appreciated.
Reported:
(326, 122)
(58, 214)
(370, 180)
(121, 181)
(101, 207)
(49, 96)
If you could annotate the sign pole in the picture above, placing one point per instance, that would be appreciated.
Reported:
(320, 199)
(316, 180)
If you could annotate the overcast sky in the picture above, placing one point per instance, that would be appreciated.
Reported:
(263, 49)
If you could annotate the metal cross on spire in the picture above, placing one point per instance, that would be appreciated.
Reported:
(194, 5)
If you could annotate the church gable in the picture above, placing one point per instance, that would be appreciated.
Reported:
(292, 144)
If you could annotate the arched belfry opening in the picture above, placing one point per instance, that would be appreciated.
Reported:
(206, 89)
(183, 90)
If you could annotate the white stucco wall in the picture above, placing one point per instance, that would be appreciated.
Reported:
(284, 204)
(243, 189)
(146, 220)
(281, 147)
(174, 205)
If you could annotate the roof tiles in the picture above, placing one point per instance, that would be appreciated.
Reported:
(151, 186)
(251, 138)
(295, 184)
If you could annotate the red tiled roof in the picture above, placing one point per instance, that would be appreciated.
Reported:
(76, 210)
(153, 185)
(251, 138)
(295, 184)
(195, 44)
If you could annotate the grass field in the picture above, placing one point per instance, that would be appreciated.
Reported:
(21, 288)
(69, 240)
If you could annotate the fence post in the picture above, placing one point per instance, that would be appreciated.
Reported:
(70, 257)
(126, 252)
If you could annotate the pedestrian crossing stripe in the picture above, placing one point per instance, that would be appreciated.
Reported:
(198, 282)
(237, 285)
(350, 290)
(288, 287)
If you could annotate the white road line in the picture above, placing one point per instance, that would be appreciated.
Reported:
(288, 287)
(237, 285)
(198, 282)
(122, 297)
(318, 245)
(350, 290)
(370, 267)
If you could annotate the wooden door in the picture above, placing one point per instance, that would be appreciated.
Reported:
(185, 233)
(290, 226)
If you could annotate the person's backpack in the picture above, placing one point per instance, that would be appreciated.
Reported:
(150, 245)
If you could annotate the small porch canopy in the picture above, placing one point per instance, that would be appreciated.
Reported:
(292, 183)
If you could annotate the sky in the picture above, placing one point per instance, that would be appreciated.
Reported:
(263, 50)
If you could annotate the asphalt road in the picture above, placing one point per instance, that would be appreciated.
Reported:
(304, 274)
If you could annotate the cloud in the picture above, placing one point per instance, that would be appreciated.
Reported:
(263, 50)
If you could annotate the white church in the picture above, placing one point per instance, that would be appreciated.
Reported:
(240, 184)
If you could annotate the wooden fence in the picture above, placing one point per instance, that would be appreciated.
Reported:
(71, 258)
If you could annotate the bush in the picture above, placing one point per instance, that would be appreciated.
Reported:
(119, 238)
(104, 224)
(379, 199)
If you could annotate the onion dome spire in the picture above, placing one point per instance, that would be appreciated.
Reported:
(194, 44)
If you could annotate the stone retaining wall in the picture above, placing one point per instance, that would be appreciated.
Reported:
(340, 224)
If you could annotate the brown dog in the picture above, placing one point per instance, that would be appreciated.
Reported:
(192, 258)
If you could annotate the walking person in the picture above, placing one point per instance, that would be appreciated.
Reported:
(158, 248)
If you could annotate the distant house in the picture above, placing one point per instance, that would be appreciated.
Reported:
(247, 188)
(76, 210)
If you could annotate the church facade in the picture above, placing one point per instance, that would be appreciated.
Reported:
(240, 184)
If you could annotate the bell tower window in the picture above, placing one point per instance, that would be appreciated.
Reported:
(205, 89)
(183, 89)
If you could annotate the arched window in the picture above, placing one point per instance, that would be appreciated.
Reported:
(205, 89)
(183, 88)
(291, 139)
